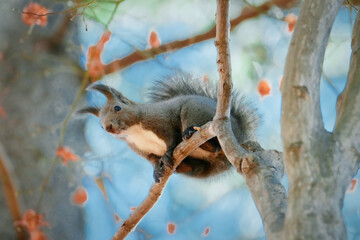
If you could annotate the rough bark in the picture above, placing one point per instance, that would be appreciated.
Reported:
(262, 169)
(314, 202)
(347, 129)
(348, 108)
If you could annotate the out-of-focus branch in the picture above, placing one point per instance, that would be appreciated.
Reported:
(73, 9)
(10, 193)
(45, 182)
(57, 39)
(180, 152)
(247, 13)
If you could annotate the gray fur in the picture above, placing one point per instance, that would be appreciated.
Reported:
(153, 129)
(185, 84)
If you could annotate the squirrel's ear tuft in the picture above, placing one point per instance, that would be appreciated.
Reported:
(111, 93)
(107, 91)
(91, 110)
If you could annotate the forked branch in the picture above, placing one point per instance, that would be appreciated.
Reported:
(262, 169)
(221, 122)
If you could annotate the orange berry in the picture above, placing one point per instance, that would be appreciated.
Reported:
(291, 20)
(66, 155)
(171, 227)
(206, 231)
(154, 39)
(264, 88)
(80, 196)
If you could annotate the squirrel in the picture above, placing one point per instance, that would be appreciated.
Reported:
(177, 106)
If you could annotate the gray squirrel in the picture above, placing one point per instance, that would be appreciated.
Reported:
(178, 105)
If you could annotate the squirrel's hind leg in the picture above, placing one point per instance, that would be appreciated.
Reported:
(212, 145)
(194, 167)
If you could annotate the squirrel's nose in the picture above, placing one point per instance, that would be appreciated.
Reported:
(109, 128)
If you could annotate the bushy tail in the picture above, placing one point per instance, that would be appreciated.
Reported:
(185, 84)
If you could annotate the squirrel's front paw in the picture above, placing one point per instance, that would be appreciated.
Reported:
(159, 171)
(189, 132)
(159, 168)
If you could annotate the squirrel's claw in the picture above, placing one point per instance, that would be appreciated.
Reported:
(189, 132)
(159, 168)
(158, 171)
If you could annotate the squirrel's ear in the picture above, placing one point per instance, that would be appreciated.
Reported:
(107, 91)
(91, 110)
(111, 93)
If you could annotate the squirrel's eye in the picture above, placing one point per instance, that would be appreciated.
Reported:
(117, 108)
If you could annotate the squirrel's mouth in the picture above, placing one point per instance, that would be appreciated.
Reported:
(118, 131)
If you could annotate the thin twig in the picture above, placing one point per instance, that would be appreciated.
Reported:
(113, 13)
(85, 5)
(180, 152)
(61, 139)
(247, 13)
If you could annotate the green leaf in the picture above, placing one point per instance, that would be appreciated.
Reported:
(102, 11)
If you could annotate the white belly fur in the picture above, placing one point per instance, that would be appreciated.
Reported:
(144, 140)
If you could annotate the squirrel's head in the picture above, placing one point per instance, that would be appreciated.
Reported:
(118, 114)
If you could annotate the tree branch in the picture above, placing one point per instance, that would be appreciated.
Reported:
(73, 9)
(207, 131)
(262, 169)
(184, 148)
(347, 125)
(10, 193)
(180, 152)
(303, 69)
(55, 41)
(247, 13)
(308, 148)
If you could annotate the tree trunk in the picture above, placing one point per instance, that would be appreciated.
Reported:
(315, 195)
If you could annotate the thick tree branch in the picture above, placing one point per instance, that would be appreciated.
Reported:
(314, 205)
(247, 13)
(262, 169)
(347, 127)
(348, 108)
(300, 89)
(10, 193)
(180, 152)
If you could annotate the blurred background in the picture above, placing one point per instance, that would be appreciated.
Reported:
(64, 177)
